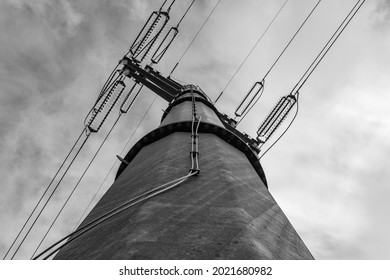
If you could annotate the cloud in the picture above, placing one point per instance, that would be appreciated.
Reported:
(381, 14)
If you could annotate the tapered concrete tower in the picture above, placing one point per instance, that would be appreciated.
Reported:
(223, 212)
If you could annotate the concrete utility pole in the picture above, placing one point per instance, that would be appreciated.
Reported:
(224, 212)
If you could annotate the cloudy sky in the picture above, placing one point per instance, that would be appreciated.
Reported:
(329, 173)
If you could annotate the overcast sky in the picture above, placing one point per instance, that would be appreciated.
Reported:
(330, 173)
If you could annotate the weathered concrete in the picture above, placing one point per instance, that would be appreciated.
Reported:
(225, 212)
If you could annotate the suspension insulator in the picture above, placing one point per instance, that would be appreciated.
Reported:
(130, 97)
(165, 44)
(101, 110)
(114, 75)
(149, 33)
(255, 91)
(276, 117)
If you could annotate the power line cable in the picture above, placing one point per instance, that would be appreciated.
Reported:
(44, 193)
(47, 201)
(77, 184)
(250, 52)
(189, 7)
(316, 62)
(329, 42)
(280, 55)
(292, 39)
(193, 39)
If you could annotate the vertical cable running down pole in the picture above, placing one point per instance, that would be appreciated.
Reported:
(194, 137)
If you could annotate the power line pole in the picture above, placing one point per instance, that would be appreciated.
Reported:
(222, 209)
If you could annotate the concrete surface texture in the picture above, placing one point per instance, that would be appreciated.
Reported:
(224, 212)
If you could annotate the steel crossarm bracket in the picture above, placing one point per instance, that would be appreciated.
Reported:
(164, 87)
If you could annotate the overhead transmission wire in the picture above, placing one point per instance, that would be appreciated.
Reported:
(47, 201)
(113, 165)
(77, 184)
(55, 188)
(316, 62)
(118, 79)
(345, 22)
(280, 55)
(53, 191)
(250, 52)
(185, 13)
(44, 193)
(170, 6)
(193, 39)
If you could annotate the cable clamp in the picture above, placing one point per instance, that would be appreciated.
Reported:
(194, 153)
